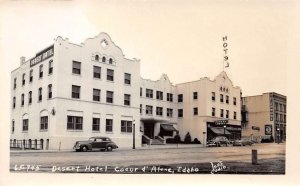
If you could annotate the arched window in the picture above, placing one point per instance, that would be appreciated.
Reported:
(110, 61)
(97, 57)
(103, 59)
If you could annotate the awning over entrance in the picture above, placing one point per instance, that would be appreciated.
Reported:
(167, 127)
(219, 130)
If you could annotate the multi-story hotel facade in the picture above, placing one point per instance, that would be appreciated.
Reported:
(70, 92)
(264, 116)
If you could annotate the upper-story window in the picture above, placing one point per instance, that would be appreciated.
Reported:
(97, 72)
(222, 113)
(110, 75)
(126, 99)
(127, 78)
(50, 91)
(103, 59)
(195, 111)
(141, 91)
(195, 95)
(170, 97)
(96, 95)
(40, 94)
(149, 109)
(97, 57)
(13, 127)
(221, 98)
(23, 79)
(50, 70)
(234, 100)
(31, 76)
(76, 67)
(149, 93)
(110, 61)
(159, 95)
(15, 83)
(22, 100)
(14, 102)
(109, 97)
(41, 71)
(213, 111)
(75, 91)
(180, 98)
(180, 113)
(227, 113)
(159, 111)
(213, 96)
(25, 124)
(227, 99)
(30, 97)
(169, 112)
(234, 115)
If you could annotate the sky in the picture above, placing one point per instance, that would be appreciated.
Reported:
(180, 38)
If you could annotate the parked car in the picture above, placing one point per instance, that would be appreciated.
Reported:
(218, 142)
(95, 143)
(242, 142)
(267, 139)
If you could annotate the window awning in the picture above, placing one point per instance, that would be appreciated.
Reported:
(168, 127)
(219, 130)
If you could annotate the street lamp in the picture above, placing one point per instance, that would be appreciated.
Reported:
(224, 129)
(133, 133)
(204, 138)
(278, 135)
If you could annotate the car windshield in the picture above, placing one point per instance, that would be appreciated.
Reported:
(92, 139)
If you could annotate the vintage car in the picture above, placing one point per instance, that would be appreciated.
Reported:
(95, 143)
(218, 142)
(242, 142)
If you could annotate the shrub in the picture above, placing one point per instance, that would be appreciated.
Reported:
(187, 138)
(177, 138)
(196, 141)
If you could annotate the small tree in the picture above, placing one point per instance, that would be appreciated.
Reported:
(177, 138)
(187, 138)
(196, 141)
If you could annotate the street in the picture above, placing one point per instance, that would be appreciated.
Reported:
(141, 157)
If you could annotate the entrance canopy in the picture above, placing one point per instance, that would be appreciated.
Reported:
(219, 130)
(167, 127)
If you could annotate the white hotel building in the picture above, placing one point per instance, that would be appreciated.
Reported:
(70, 92)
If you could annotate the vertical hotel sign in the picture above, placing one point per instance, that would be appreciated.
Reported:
(43, 55)
(225, 49)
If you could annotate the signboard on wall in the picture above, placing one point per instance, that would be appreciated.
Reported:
(268, 130)
(43, 55)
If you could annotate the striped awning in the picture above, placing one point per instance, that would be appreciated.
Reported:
(167, 127)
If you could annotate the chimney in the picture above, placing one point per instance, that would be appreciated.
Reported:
(22, 60)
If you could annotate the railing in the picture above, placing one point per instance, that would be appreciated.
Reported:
(161, 139)
(28, 144)
(146, 139)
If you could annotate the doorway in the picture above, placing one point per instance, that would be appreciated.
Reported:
(149, 130)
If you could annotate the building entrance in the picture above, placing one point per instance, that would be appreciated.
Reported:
(149, 129)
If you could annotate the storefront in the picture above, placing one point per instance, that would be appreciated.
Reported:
(230, 131)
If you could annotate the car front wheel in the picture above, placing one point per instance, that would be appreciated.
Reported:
(109, 148)
(84, 149)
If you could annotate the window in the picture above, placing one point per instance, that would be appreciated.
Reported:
(213, 96)
(221, 98)
(170, 97)
(159, 95)
(180, 98)
(96, 124)
(109, 125)
(276, 117)
(110, 61)
(284, 108)
(234, 100)
(276, 106)
(149, 109)
(30, 75)
(141, 108)
(127, 79)
(213, 111)
(227, 99)
(234, 115)
(41, 71)
(97, 72)
(23, 79)
(22, 100)
(149, 93)
(96, 95)
(50, 67)
(141, 91)
(30, 97)
(222, 113)
(195, 111)
(103, 59)
(169, 112)
(76, 67)
(44, 123)
(75, 91)
(74, 123)
(159, 111)
(14, 102)
(126, 126)
(126, 99)
(40, 94)
(49, 91)
(180, 113)
(227, 113)
(195, 95)
(110, 75)
(97, 57)
(25, 124)
(15, 83)
(13, 127)
(284, 118)
(109, 97)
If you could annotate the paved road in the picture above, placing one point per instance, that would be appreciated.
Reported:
(148, 156)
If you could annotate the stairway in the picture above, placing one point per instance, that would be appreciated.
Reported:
(157, 142)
